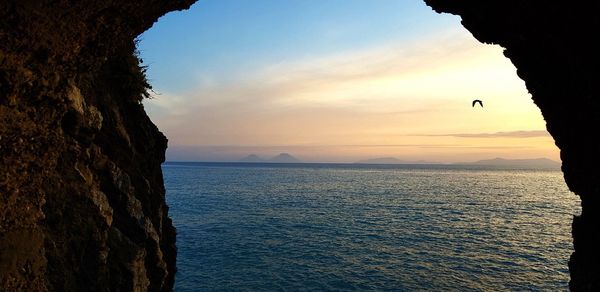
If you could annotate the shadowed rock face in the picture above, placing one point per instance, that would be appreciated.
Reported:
(555, 45)
(81, 193)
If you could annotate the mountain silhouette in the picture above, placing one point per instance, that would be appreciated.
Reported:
(252, 158)
(543, 163)
(284, 158)
(391, 160)
(382, 160)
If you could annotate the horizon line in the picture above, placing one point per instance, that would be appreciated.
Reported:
(361, 161)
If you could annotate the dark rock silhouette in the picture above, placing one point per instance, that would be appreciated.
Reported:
(81, 192)
(554, 46)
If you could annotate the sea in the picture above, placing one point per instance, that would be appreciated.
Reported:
(352, 227)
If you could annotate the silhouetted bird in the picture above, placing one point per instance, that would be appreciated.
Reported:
(477, 101)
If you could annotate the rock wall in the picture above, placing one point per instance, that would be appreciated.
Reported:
(555, 47)
(81, 193)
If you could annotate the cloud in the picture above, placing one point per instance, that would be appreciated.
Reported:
(370, 78)
(364, 102)
(512, 134)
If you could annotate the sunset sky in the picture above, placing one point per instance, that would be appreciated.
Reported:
(334, 81)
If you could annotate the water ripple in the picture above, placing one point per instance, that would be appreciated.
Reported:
(356, 229)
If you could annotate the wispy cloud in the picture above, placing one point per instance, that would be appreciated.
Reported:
(405, 75)
(511, 134)
(356, 103)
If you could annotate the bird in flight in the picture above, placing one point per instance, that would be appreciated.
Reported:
(477, 101)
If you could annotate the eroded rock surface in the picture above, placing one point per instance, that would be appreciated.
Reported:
(81, 193)
(554, 45)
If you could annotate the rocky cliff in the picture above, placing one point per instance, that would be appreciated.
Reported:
(81, 193)
(555, 47)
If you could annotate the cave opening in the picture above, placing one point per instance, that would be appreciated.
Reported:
(237, 103)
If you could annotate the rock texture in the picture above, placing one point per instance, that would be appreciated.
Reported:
(554, 45)
(81, 193)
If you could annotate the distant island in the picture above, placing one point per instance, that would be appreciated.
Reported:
(252, 158)
(280, 158)
(536, 163)
(284, 158)
(392, 160)
(542, 163)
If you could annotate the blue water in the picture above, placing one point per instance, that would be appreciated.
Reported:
(252, 227)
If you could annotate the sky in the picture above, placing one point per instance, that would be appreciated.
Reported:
(334, 81)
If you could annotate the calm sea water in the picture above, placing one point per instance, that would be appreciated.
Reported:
(251, 227)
